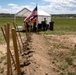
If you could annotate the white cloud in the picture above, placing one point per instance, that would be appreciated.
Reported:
(33, 3)
(67, 3)
(50, 6)
(13, 5)
(60, 6)
(2, 10)
(13, 8)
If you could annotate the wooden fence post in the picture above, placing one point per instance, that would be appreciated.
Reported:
(16, 51)
(16, 27)
(26, 30)
(17, 38)
(3, 34)
(9, 69)
(19, 34)
(5, 28)
(6, 42)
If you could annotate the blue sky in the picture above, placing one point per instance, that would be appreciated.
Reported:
(50, 6)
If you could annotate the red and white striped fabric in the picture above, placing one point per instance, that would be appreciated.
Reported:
(32, 17)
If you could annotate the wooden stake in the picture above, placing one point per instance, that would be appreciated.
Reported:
(16, 26)
(9, 69)
(26, 30)
(19, 43)
(10, 51)
(17, 38)
(19, 34)
(16, 51)
(3, 34)
(5, 28)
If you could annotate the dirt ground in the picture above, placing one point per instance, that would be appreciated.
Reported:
(45, 55)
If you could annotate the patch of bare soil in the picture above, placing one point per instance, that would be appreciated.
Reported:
(47, 55)
(63, 53)
(3, 60)
(40, 61)
(37, 58)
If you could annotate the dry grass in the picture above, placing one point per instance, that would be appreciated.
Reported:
(63, 53)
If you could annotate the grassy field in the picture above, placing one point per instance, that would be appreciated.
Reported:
(59, 23)
(61, 26)
(3, 21)
(19, 21)
(65, 24)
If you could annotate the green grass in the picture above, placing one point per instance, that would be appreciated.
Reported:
(61, 26)
(65, 24)
(3, 21)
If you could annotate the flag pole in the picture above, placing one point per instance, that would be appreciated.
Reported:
(14, 18)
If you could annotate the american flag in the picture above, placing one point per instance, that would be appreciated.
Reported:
(32, 17)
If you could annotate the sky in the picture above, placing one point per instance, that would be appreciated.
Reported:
(49, 6)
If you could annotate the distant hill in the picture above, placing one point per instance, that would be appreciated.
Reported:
(63, 15)
(7, 15)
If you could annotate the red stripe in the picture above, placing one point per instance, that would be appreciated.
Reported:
(34, 20)
(33, 13)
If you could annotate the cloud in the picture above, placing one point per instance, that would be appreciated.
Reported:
(13, 8)
(68, 3)
(33, 3)
(60, 6)
(13, 5)
(50, 6)
(2, 10)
